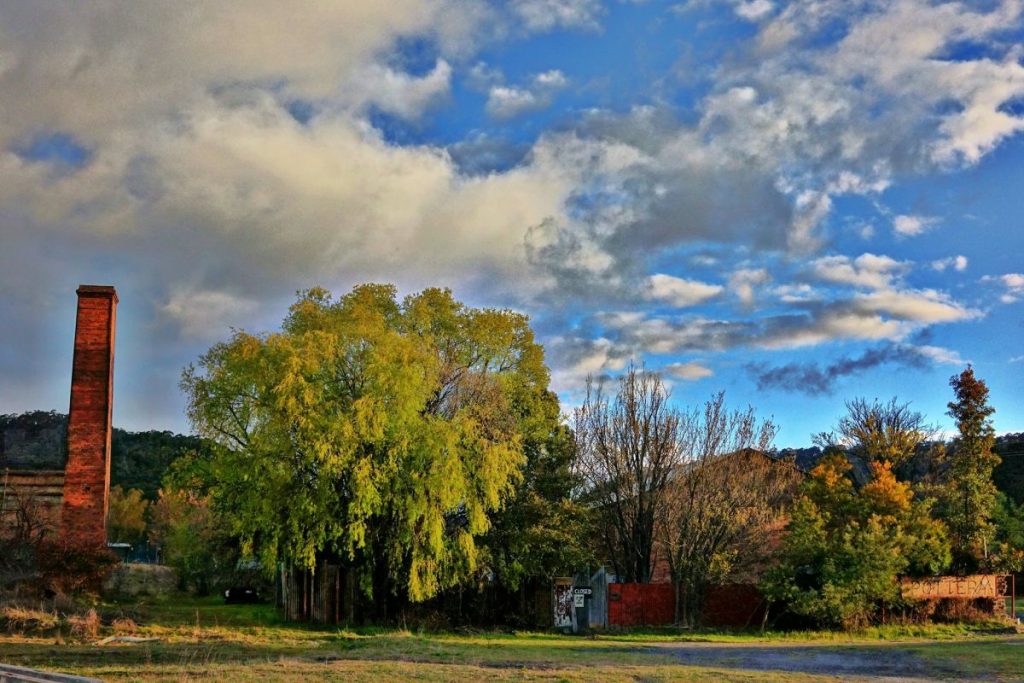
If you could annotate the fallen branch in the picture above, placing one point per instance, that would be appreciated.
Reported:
(124, 639)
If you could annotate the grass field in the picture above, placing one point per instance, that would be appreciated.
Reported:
(204, 639)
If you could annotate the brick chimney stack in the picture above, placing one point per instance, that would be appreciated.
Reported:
(87, 475)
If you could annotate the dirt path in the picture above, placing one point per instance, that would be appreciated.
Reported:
(848, 662)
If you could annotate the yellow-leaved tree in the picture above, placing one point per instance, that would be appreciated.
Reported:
(371, 431)
(845, 547)
(126, 518)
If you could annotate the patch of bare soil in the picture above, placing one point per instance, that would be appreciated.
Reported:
(852, 662)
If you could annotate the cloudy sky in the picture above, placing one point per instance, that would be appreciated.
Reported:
(795, 202)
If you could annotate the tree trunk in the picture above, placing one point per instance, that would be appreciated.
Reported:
(678, 611)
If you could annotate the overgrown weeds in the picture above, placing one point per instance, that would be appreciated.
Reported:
(17, 619)
(85, 626)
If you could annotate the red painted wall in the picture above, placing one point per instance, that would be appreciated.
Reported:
(641, 604)
(653, 604)
(87, 474)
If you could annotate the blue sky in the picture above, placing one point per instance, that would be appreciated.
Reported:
(798, 203)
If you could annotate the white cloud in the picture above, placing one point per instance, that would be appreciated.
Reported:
(833, 325)
(912, 33)
(754, 10)
(690, 372)
(195, 157)
(911, 226)
(398, 93)
(680, 292)
(957, 263)
(504, 102)
(577, 359)
(796, 293)
(292, 200)
(544, 15)
(867, 270)
(208, 314)
(940, 355)
(551, 79)
(780, 133)
(884, 314)
(1013, 280)
(919, 306)
(1013, 285)
(482, 76)
(97, 70)
(745, 281)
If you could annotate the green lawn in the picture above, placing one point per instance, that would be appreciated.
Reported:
(205, 639)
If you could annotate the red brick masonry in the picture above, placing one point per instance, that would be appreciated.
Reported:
(87, 474)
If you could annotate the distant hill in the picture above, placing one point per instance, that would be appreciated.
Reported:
(803, 458)
(38, 441)
(33, 441)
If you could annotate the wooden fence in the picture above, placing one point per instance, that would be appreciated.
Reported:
(323, 596)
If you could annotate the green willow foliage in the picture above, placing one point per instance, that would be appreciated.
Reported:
(376, 431)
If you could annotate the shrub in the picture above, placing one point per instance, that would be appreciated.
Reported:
(69, 567)
(17, 619)
(966, 610)
(845, 546)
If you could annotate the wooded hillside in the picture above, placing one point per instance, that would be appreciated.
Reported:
(38, 441)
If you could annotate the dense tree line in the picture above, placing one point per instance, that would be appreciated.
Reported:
(880, 499)
(415, 443)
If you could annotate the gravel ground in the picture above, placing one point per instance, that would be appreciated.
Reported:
(848, 662)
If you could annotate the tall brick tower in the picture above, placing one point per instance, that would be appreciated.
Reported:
(87, 475)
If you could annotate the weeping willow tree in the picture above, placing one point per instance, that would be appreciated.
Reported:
(378, 432)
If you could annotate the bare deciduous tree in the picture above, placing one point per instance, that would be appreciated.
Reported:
(876, 431)
(23, 525)
(696, 488)
(629, 446)
(722, 503)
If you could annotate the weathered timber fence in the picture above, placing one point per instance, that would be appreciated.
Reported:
(323, 596)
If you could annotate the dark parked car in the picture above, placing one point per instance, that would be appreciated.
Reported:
(240, 594)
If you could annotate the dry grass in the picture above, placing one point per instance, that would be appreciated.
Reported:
(22, 619)
(124, 626)
(86, 626)
(206, 639)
